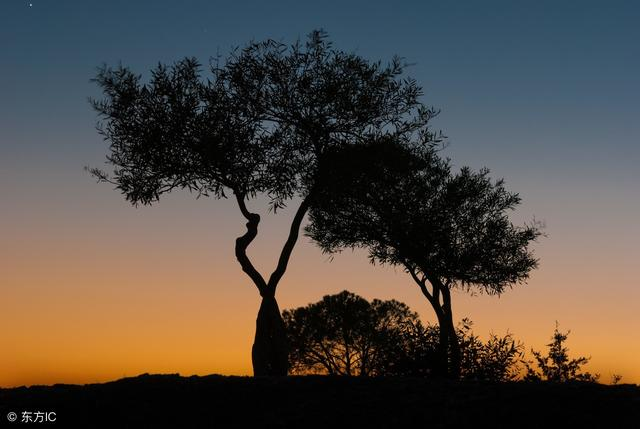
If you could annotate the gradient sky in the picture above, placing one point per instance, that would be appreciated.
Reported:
(544, 94)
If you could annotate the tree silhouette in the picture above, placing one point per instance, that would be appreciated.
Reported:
(344, 334)
(557, 366)
(407, 208)
(258, 125)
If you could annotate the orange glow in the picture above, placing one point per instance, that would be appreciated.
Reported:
(158, 290)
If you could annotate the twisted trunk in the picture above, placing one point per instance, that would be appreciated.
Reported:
(270, 352)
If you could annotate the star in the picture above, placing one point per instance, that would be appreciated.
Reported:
(30, 4)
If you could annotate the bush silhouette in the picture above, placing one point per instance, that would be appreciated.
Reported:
(497, 359)
(556, 366)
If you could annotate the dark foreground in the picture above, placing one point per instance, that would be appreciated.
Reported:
(327, 402)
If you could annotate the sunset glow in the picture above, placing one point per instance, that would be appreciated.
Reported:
(93, 289)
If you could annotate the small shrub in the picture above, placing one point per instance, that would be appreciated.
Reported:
(556, 366)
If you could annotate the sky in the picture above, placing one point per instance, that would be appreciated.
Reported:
(543, 93)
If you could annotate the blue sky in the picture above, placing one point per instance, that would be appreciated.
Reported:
(554, 78)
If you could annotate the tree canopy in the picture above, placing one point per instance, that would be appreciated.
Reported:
(344, 334)
(257, 123)
(407, 208)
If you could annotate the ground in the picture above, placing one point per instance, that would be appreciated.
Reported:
(323, 402)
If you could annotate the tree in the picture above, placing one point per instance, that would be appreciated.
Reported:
(557, 366)
(258, 125)
(407, 208)
(344, 334)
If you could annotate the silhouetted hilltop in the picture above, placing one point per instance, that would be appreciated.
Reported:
(318, 401)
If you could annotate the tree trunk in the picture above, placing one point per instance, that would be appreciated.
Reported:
(449, 356)
(270, 352)
(455, 358)
(442, 369)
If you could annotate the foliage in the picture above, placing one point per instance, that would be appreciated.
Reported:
(497, 359)
(258, 123)
(407, 208)
(556, 366)
(344, 334)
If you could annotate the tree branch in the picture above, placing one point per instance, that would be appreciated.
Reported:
(285, 254)
(422, 283)
(446, 299)
(243, 242)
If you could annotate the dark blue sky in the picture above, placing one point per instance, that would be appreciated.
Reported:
(522, 82)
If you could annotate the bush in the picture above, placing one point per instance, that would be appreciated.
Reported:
(557, 366)
(496, 360)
